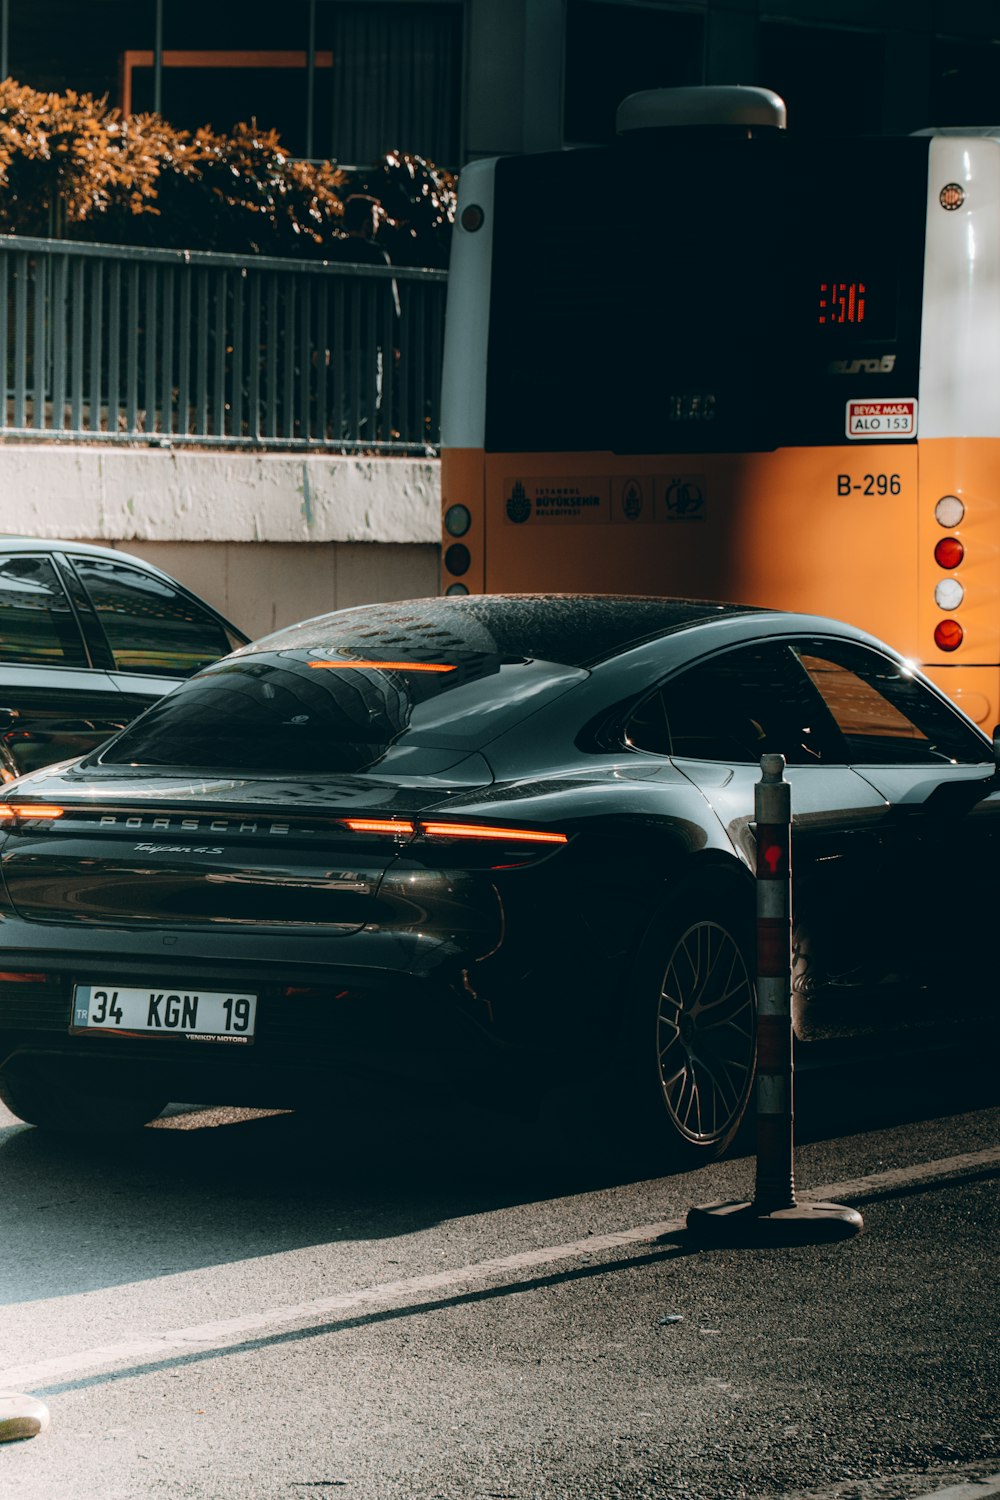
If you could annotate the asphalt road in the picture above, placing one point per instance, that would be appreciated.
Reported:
(411, 1304)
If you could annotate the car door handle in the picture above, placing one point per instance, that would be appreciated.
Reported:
(7, 717)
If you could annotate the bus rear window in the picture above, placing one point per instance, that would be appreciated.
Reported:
(718, 308)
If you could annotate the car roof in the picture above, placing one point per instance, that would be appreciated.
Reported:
(11, 542)
(17, 542)
(575, 630)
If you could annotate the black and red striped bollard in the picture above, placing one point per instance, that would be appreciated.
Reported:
(774, 1216)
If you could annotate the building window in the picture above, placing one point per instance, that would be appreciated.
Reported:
(812, 66)
(223, 88)
(617, 49)
(388, 73)
(397, 71)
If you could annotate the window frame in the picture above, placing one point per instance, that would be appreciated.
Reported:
(787, 671)
(810, 645)
(105, 645)
(88, 663)
(837, 746)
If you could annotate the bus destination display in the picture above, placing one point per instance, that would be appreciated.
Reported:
(842, 302)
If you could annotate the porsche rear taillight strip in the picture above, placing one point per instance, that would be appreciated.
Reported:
(401, 827)
(9, 811)
(490, 831)
(394, 826)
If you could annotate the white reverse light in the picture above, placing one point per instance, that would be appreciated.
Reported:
(949, 594)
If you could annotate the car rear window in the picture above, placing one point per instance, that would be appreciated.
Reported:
(310, 712)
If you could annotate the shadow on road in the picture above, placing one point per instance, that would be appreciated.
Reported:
(220, 1186)
(893, 1091)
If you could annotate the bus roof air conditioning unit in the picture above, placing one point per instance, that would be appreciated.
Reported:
(729, 106)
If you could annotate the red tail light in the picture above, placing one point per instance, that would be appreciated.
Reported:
(9, 811)
(402, 827)
(949, 552)
(948, 635)
(394, 826)
(490, 831)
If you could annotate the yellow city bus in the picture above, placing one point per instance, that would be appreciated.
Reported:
(719, 361)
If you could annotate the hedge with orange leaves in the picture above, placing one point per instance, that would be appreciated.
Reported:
(71, 167)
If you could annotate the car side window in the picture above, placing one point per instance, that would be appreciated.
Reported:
(884, 713)
(735, 708)
(151, 626)
(37, 623)
(647, 728)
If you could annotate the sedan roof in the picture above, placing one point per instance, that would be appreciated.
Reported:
(11, 542)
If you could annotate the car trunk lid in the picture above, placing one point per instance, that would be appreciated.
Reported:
(211, 853)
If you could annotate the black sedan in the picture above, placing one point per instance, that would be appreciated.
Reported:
(89, 637)
(503, 844)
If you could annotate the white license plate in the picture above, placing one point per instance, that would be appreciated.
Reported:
(197, 1015)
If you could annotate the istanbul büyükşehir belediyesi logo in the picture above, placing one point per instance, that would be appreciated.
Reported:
(518, 503)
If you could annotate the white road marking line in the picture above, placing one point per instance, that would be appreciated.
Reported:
(893, 1177)
(232, 1331)
(986, 1488)
(974, 1489)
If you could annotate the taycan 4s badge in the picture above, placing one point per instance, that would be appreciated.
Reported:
(176, 849)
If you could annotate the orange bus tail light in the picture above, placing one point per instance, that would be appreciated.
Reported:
(948, 635)
(949, 552)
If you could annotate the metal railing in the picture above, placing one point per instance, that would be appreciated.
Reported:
(114, 344)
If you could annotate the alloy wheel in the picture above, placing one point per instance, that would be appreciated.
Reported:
(705, 1034)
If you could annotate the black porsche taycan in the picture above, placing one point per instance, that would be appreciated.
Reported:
(499, 844)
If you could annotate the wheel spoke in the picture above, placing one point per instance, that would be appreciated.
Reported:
(731, 1018)
(679, 1073)
(731, 1024)
(693, 1099)
(724, 1088)
(676, 1006)
(739, 983)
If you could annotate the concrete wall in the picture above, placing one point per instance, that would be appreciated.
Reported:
(266, 538)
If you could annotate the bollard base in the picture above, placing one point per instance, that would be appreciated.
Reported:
(731, 1223)
(21, 1416)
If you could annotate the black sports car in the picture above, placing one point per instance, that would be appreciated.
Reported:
(499, 843)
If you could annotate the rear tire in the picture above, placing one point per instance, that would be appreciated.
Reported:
(688, 1040)
(58, 1105)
